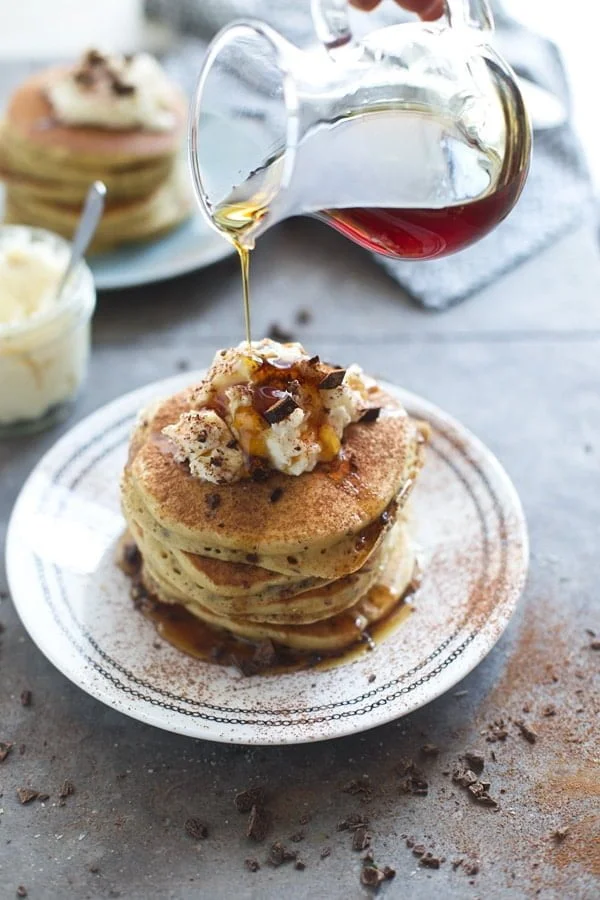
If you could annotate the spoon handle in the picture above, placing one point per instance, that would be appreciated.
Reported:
(93, 208)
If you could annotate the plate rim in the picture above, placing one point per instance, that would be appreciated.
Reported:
(145, 712)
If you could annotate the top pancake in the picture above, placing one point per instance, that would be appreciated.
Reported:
(316, 509)
(31, 115)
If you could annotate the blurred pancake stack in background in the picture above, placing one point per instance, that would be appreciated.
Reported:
(114, 118)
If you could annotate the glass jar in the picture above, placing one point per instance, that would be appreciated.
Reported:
(44, 358)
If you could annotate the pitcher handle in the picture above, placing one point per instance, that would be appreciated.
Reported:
(331, 21)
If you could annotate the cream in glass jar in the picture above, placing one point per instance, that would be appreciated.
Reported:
(44, 339)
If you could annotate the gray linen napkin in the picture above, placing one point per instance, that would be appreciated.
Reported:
(558, 191)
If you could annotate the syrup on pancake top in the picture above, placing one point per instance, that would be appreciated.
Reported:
(267, 504)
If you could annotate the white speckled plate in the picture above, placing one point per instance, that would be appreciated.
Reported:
(75, 603)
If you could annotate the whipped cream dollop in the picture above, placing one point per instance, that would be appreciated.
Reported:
(115, 92)
(29, 276)
(268, 406)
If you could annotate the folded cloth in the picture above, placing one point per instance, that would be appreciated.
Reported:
(558, 191)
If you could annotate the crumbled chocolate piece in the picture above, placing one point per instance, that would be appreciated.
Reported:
(121, 88)
(361, 839)
(371, 876)
(303, 316)
(279, 854)
(259, 822)
(496, 731)
(279, 334)
(93, 58)
(325, 852)
(213, 501)
(418, 849)
(371, 414)
(196, 829)
(67, 789)
(410, 842)
(21, 891)
(559, 834)
(300, 865)
(245, 800)
(361, 785)
(479, 790)
(280, 410)
(430, 750)
(549, 710)
(26, 698)
(389, 872)
(332, 380)
(276, 495)
(471, 867)
(252, 864)
(413, 778)
(5, 748)
(430, 861)
(528, 733)
(354, 820)
(26, 795)
(475, 760)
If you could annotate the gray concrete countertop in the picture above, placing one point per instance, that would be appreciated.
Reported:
(520, 365)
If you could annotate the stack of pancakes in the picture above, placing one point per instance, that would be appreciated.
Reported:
(306, 561)
(48, 167)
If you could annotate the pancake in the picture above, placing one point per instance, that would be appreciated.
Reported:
(316, 510)
(121, 223)
(332, 633)
(30, 117)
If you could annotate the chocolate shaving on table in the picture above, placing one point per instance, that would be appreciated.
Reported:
(259, 823)
(196, 829)
(279, 854)
(353, 821)
(360, 839)
(528, 733)
(332, 380)
(26, 795)
(245, 800)
(474, 760)
(252, 864)
(5, 748)
(67, 789)
(280, 410)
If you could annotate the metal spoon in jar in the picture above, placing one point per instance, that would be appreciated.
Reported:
(93, 208)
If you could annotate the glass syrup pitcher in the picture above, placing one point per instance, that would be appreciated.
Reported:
(414, 141)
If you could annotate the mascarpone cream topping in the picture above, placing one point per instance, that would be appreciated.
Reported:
(115, 92)
(270, 404)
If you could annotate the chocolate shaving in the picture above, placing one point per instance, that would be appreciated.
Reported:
(5, 748)
(259, 822)
(371, 414)
(325, 852)
(528, 733)
(300, 865)
(475, 760)
(332, 380)
(196, 829)
(430, 861)
(280, 410)
(361, 839)
(361, 785)
(479, 790)
(276, 495)
(353, 821)
(279, 854)
(67, 789)
(26, 795)
(371, 876)
(245, 800)
(252, 864)
(413, 778)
